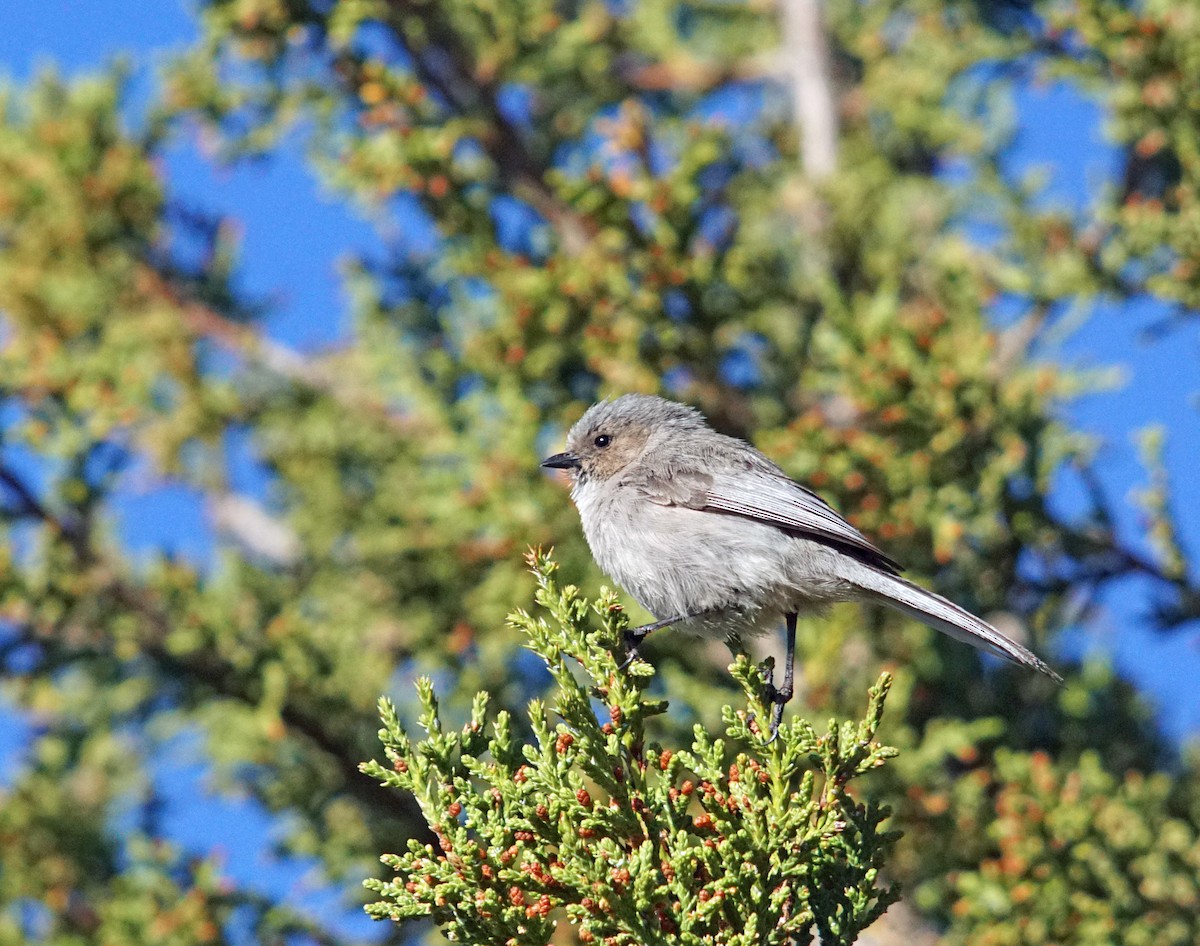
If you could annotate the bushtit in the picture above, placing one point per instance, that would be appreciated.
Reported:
(712, 537)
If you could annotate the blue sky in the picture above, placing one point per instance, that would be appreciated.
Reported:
(1062, 135)
(293, 238)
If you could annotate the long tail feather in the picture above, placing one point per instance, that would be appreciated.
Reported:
(945, 616)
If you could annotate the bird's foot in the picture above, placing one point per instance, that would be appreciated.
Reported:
(632, 640)
(778, 697)
(633, 637)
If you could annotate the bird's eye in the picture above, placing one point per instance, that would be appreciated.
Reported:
(603, 440)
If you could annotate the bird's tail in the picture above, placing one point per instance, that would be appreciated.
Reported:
(945, 616)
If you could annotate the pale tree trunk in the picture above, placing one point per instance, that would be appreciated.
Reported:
(807, 71)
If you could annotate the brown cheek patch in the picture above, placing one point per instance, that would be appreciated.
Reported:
(623, 451)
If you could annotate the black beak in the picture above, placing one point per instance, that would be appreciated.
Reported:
(562, 461)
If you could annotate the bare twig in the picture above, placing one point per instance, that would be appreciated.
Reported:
(684, 73)
(73, 530)
(1014, 342)
(253, 528)
(255, 348)
(30, 504)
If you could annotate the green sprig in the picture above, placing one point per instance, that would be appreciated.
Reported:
(727, 841)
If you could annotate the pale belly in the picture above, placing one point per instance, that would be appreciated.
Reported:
(731, 575)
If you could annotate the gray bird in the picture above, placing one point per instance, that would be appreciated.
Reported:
(712, 537)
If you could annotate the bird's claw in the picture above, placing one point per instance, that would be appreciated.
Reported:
(778, 698)
(633, 637)
(631, 640)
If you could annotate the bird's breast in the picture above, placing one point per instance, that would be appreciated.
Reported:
(678, 561)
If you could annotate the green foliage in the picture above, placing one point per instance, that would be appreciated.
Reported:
(1148, 52)
(731, 841)
(74, 880)
(98, 350)
(1082, 856)
(845, 326)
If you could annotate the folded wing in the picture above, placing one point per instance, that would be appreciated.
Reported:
(768, 496)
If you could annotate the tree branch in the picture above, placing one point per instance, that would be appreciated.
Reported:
(30, 504)
(259, 534)
(74, 531)
(1013, 343)
(684, 73)
(255, 348)
(213, 674)
(222, 678)
(445, 64)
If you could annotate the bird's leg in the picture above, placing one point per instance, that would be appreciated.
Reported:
(779, 696)
(634, 636)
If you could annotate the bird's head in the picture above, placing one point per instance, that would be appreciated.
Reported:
(611, 435)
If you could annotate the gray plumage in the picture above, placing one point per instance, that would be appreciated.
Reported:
(699, 525)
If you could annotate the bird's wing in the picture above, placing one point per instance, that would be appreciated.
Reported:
(765, 495)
